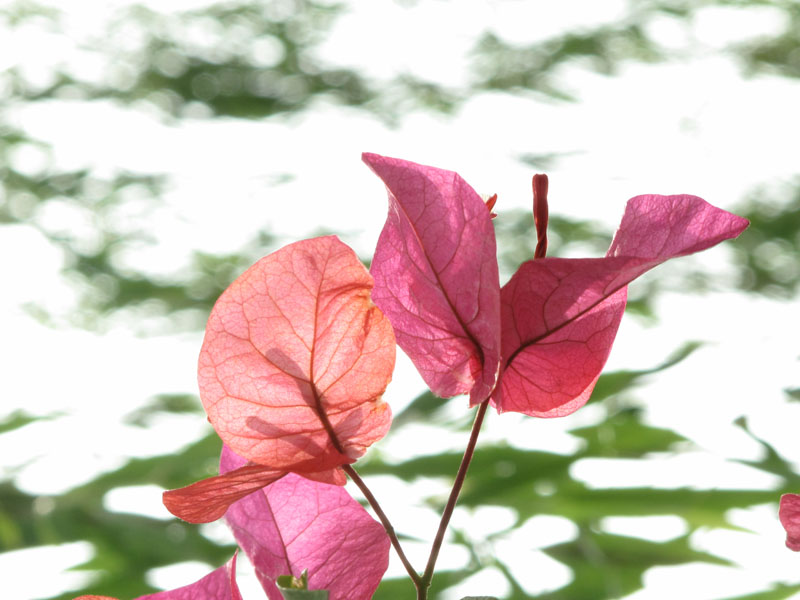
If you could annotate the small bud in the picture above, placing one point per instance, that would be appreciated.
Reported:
(490, 202)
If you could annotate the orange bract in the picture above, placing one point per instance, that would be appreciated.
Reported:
(295, 360)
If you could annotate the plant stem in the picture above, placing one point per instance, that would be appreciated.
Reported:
(387, 525)
(427, 576)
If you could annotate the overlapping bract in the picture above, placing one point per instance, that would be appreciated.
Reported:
(789, 514)
(293, 365)
(296, 524)
(557, 318)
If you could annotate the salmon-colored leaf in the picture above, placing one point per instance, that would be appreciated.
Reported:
(207, 500)
(296, 524)
(295, 360)
(789, 514)
(436, 277)
(560, 316)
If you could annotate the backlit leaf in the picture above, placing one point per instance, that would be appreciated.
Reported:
(296, 358)
(560, 316)
(436, 278)
(207, 500)
(293, 365)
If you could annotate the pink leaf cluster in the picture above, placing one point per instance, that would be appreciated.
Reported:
(789, 514)
(296, 358)
(536, 345)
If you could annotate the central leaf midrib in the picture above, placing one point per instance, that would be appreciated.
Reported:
(323, 416)
(470, 336)
(550, 332)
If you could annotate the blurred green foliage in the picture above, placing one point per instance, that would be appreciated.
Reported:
(769, 251)
(256, 60)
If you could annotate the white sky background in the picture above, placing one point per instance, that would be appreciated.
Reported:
(692, 125)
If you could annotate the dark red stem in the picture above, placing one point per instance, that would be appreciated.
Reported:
(387, 525)
(540, 212)
(427, 576)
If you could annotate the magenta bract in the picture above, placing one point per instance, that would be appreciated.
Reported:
(220, 584)
(436, 279)
(789, 514)
(296, 524)
(560, 316)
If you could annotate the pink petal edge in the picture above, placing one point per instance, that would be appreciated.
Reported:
(220, 584)
(789, 514)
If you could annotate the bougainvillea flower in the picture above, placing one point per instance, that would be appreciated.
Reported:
(294, 363)
(558, 317)
(220, 584)
(789, 514)
(296, 524)
(436, 277)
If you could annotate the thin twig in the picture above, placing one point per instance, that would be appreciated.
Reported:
(427, 576)
(387, 525)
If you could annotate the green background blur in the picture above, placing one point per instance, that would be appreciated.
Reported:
(170, 77)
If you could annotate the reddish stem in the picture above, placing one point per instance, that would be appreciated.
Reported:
(387, 525)
(540, 214)
(427, 576)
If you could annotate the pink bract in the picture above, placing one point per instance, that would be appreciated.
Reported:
(220, 584)
(789, 514)
(293, 365)
(296, 524)
(436, 278)
(560, 316)
(296, 358)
